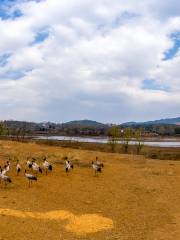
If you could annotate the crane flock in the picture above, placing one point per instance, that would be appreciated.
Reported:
(32, 169)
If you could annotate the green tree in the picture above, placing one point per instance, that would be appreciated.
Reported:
(127, 135)
(177, 130)
(162, 130)
(2, 129)
(139, 141)
(113, 137)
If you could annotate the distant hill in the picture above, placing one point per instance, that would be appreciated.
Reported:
(20, 124)
(174, 121)
(85, 123)
(128, 124)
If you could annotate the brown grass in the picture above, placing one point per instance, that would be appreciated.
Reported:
(134, 197)
(163, 153)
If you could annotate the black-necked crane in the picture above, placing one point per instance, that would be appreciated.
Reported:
(18, 167)
(29, 163)
(0, 174)
(30, 178)
(6, 179)
(36, 168)
(47, 166)
(7, 165)
(68, 165)
(98, 163)
(96, 168)
(6, 168)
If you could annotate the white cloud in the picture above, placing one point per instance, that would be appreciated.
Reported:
(93, 62)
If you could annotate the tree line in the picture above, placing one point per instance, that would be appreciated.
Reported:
(21, 130)
(124, 137)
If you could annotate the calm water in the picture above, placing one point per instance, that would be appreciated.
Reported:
(166, 143)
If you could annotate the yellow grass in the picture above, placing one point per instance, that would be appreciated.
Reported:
(80, 225)
(133, 198)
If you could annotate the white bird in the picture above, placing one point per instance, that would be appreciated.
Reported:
(6, 179)
(6, 168)
(0, 174)
(4, 171)
(98, 163)
(29, 164)
(36, 167)
(18, 168)
(30, 177)
(96, 168)
(68, 165)
(47, 166)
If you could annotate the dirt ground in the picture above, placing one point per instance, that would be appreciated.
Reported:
(133, 198)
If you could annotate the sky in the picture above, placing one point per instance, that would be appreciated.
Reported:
(105, 60)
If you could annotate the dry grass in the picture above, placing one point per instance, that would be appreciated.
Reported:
(134, 197)
(163, 153)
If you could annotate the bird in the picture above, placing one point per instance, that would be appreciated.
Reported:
(6, 168)
(96, 168)
(47, 166)
(98, 163)
(36, 167)
(0, 174)
(6, 179)
(68, 165)
(30, 177)
(18, 167)
(29, 163)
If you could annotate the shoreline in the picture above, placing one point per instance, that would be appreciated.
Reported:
(151, 152)
(145, 139)
(165, 142)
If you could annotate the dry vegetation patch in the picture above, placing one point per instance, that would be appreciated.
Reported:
(133, 198)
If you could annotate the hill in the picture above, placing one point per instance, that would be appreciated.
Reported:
(85, 123)
(173, 121)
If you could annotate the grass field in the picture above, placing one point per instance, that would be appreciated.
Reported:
(163, 153)
(134, 197)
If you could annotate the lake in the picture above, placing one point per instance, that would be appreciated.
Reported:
(164, 143)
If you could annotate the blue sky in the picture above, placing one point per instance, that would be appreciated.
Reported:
(41, 36)
(5, 6)
(175, 48)
(151, 84)
(110, 61)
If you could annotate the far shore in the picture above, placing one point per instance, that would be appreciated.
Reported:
(53, 136)
(146, 139)
(163, 152)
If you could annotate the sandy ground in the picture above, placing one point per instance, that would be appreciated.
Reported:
(133, 198)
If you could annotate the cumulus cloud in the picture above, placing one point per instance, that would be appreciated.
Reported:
(89, 59)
